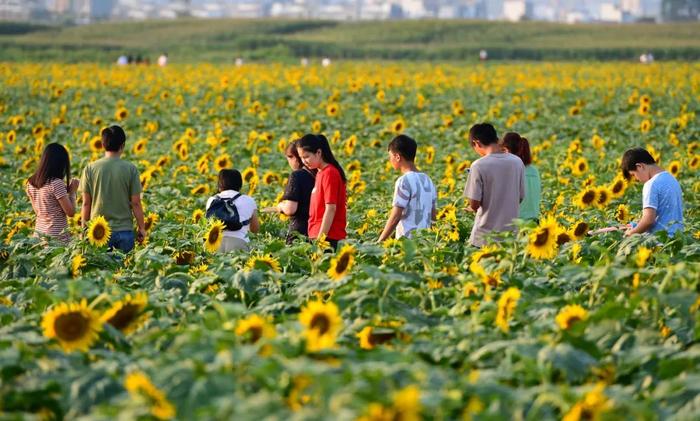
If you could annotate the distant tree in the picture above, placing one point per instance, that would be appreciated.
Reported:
(674, 10)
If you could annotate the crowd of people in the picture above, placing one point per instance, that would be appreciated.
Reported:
(502, 185)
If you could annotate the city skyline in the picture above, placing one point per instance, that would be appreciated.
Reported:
(570, 11)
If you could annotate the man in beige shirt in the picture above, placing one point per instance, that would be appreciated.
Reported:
(495, 187)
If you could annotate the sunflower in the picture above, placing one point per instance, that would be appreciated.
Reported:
(126, 315)
(543, 240)
(674, 168)
(197, 215)
(249, 175)
(579, 230)
(214, 236)
(569, 315)
(591, 406)
(644, 109)
(563, 236)
(222, 162)
(11, 136)
(580, 167)
(645, 126)
(618, 186)
(603, 197)
(332, 109)
(270, 177)
(99, 231)
(369, 337)
(202, 189)
(322, 322)
(139, 147)
(341, 265)
(150, 220)
(575, 110)
(694, 162)
(254, 327)
(139, 386)
(121, 114)
(263, 263)
(73, 325)
(77, 264)
(184, 257)
(398, 126)
(506, 308)
(586, 198)
(622, 214)
(96, 144)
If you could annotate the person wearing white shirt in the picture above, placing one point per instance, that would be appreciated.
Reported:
(229, 186)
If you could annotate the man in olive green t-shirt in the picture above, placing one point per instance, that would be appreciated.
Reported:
(112, 188)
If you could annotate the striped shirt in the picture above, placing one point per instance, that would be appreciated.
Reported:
(50, 218)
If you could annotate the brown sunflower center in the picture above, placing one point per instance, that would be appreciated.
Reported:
(321, 323)
(588, 197)
(98, 232)
(580, 229)
(343, 262)
(603, 198)
(255, 333)
(542, 237)
(617, 187)
(71, 326)
(563, 238)
(125, 316)
(213, 235)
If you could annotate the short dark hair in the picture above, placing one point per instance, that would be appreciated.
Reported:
(518, 146)
(404, 146)
(230, 180)
(113, 138)
(485, 133)
(635, 156)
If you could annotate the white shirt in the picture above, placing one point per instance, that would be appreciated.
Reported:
(246, 207)
(416, 194)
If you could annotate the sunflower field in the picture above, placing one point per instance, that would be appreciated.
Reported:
(549, 324)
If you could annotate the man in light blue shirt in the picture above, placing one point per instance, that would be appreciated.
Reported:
(662, 199)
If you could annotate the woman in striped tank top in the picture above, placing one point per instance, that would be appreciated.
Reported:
(52, 198)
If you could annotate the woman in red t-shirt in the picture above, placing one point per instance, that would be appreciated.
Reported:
(327, 210)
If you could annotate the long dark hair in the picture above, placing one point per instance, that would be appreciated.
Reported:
(314, 142)
(518, 146)
(54, 163)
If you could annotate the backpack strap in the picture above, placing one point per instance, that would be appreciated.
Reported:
(233, 199)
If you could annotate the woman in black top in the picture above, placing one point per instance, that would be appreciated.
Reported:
(297, 194)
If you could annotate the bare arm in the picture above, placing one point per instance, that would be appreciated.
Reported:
(391, 223)
(137, 210)
(645, 224)
(86, 209)
(254, 223)
(433, 214)
(26, 190)
(288, 207)
(67, 204)
(327, 220)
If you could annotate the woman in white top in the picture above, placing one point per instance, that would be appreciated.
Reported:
(229, 185)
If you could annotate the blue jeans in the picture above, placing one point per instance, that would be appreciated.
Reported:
(122, 240)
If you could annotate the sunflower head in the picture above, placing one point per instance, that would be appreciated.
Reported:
(99, 231)
(579, 230)
(127, 314)
(77, 264)
(214, 236)
(263, 263)
(322, 322)
(369, 337)
(139, 386)
(543, 240)
(587, 197)
(254, 327)
(74, 325)
(197, 215)
(569, 315)
(342, 263)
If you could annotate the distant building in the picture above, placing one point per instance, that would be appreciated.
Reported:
(517, 10)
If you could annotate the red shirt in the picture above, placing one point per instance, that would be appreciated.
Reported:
(329, 188)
